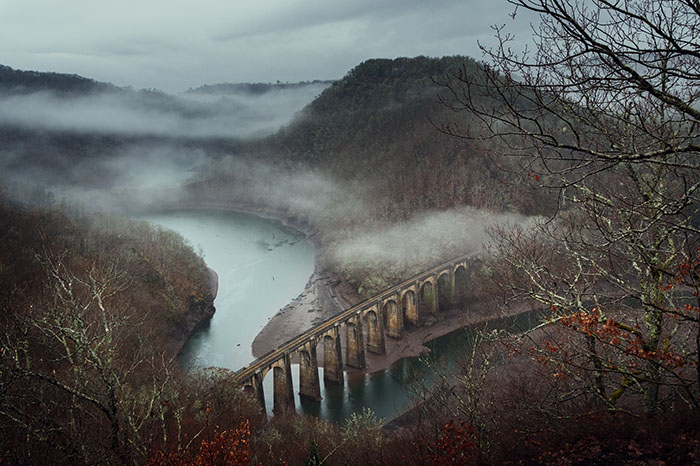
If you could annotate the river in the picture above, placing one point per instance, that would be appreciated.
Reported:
(262, 266)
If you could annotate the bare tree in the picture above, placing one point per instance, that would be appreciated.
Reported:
(605, 111)
(462, 393)
(77, 377)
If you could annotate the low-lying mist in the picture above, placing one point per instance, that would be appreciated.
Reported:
(304, 192)
(425, 239)
(131, 150)
(108, 149)
(151, 113)
(377, 255)
(371, 251)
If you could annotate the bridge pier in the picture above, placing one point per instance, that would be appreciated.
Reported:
(445, 289)
(375, 325)
(394, 319)
(355, 344)
(283, 387)
(459, 289)
(309, 386)
(387, 314)
(254, 387)
(411, 305)
(428, 293)
(333, 359)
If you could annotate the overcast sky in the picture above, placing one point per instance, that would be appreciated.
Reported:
(177, 44)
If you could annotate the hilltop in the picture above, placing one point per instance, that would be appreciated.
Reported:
(20, 81)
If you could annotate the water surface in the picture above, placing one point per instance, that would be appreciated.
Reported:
(262, 266)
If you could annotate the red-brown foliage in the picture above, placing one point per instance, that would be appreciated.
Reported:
(220, 447)
(456, 446)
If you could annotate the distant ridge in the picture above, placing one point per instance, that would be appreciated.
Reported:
(14, 81)
(253, 88)
(25, 82)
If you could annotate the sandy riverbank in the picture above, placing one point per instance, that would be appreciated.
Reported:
(319, 301)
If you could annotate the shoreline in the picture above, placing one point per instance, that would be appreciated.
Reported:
(403, 421)
(198, 311)
(473, 313)
(213, 283)
(324, 296)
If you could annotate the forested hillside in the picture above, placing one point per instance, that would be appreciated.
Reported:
(93, 311)
(379, 129)
(380, 124)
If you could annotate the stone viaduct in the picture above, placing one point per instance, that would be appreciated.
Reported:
(364, 326)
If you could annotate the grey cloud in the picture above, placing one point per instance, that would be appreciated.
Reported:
(140, 47)
(306, 15)
(156, 44)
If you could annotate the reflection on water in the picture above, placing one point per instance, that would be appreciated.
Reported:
(392, 391)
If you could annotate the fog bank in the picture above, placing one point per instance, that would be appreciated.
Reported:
(423, 239)
(372, 251)
(395, 251)
(112, 148)
(149, 113)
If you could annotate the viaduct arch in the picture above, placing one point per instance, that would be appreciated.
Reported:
(365, 327)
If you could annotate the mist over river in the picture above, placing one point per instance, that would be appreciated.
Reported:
(262, 266)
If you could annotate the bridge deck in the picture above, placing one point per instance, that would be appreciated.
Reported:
(295, 343)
